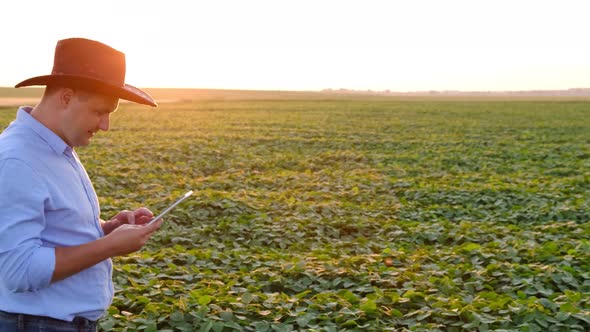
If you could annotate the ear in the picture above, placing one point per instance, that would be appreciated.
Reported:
(66, 95)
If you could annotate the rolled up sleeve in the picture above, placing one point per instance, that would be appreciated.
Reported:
(26, 265)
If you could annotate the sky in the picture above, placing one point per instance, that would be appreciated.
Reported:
(313, 45)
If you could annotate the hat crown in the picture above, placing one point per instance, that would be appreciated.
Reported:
(89, 58)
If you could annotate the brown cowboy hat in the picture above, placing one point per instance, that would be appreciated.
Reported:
(85, 63)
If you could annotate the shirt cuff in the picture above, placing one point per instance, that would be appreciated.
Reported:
(42, 267)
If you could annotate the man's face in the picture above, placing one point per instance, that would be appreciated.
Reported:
(85, 115)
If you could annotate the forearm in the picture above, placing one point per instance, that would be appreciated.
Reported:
(71, 260)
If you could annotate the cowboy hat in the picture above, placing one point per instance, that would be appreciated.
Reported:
(86, 63)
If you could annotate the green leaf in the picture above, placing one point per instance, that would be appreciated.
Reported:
(548, 304)
(177, 316)
(471, 246)
(218, 326)
(281, 327)
(569, 308)
(303, 320)
(562, 316)
(207, 326)
(583, 317)
(349, 296)
(227, 316)
(368, 306)
(205, 299)
(151, 328)
(113, 310)
(261, 326)
(422, 316)
(107, 324)
(247, 298)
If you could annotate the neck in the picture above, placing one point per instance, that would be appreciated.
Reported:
(47, 114)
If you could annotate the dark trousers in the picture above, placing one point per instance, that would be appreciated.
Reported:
(10, 322)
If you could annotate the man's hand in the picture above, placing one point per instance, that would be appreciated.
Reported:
(125, 239)
(137, 217)
(129, 238)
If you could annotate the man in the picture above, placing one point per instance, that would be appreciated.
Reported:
(55, 266)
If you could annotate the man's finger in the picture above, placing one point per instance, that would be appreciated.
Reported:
(155, 226)
(142, 211)
(131, 217)
(121, 215)
(142, 220)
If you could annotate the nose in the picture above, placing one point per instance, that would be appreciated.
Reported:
(104, 122)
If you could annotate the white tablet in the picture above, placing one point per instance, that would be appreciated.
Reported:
(182, 198)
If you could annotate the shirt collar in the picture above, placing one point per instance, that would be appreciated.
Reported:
(24, 118)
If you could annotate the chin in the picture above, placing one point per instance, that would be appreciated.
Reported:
(82, 143)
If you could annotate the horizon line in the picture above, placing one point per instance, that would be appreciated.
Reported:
(327, 90)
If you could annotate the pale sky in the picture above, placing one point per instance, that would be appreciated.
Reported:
(313, 45)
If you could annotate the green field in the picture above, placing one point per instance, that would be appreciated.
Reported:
(351, 215)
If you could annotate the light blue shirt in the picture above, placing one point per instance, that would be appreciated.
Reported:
(46, 201)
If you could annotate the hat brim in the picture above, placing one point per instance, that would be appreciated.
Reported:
(127, 91)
